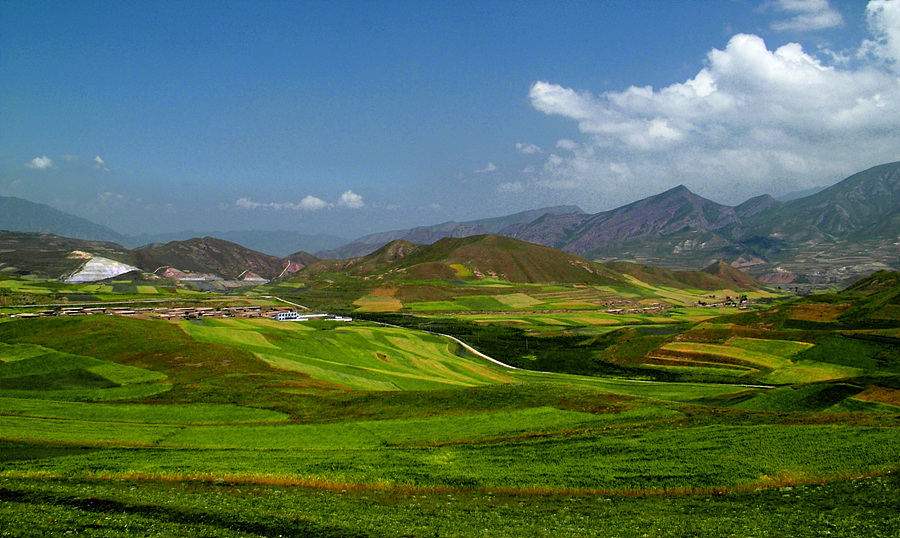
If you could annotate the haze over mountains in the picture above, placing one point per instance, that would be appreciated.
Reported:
(846, 230)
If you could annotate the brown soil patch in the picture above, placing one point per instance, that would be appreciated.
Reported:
(874, 393)
(385, 291)
(818, 312)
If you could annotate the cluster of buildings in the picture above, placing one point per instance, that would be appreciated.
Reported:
(277, 313)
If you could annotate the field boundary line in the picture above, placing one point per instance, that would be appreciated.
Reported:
(455, 339)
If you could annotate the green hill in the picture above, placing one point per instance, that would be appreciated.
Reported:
(478, 257)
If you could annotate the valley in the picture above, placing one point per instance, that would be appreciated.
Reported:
(400, 269)
(613, 390)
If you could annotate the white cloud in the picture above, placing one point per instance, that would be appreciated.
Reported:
(309, 203)
(528, 149)
(107, 198)
(752, 120)
(352, 200)
(99, 164)
(40, 163)
(884, 22)
(490, 167)
(809, 15)
(511, 187)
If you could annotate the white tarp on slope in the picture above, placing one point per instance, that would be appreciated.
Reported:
(99, 268)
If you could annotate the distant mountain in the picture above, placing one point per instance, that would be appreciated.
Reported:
(794, 195)
(838, 233)
(276, 243)
(430, 234)
(863, 206)
(50, 256)
(666, 214)
(21, 215)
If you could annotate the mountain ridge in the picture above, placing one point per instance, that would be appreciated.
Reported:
(429, 234)
(837, 234)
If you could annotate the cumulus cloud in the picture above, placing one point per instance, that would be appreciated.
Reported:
(809, 15)
(352, 200)
(752, 120)
(883, 17)
(40, 163)
(528, 149)
(309, 203)
(490, 167)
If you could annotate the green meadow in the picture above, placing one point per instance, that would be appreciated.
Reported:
(656, 424)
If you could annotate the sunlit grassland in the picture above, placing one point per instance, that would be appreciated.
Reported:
(621, 455)
(378, 303)
(32, 371)
(590, 322)
(137, 413)
(504, 296)
(354, 355)
(164, 428)
(663, 392)
(484, 449)
(774, 356)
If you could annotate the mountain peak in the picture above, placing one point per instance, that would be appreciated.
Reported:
(678, 189)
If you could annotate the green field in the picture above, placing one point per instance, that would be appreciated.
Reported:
(128, 427)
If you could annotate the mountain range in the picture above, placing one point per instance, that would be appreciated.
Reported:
(429, 234)
(841, 232)
(49, 256)
(515, 261)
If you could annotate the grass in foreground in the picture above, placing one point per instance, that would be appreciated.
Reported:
(866, 508)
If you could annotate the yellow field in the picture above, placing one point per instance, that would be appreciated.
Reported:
(376, 303)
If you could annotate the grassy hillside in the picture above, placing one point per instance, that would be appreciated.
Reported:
(476, 256)
(257, 428)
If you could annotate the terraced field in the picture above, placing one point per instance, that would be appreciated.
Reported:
(770, 361)
(354, 356)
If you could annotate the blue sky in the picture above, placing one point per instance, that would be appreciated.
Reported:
(354, 117)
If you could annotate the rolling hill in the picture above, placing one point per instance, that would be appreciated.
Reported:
(481, 256)
(515, 261)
